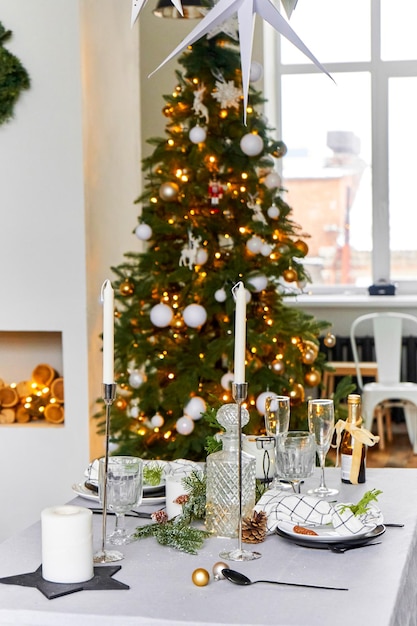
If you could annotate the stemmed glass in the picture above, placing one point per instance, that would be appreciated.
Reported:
(124, 491)
(277, 421)
(321, 424)
(296, 455)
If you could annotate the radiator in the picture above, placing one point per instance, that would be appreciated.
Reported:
(342, 351)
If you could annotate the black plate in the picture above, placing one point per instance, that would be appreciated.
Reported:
(307, 542)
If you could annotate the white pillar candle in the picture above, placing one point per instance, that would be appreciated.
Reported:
(107, 297)
(67, 544)
(240, 333)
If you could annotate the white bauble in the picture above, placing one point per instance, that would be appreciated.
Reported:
(251, 144)
(197, 134)
(256, 71)
(161, 315)
(194, 315)
(272, 180)
(248, 296)
(266, 249)
(135, 379)
(254, 244)
(226, 380)
(259, 282)
(260, 401)
(157, 420)
(201, 256)
(184, 425)
(195, 407)
(273, 212)
(134, 411)
(143, 232)
(220, 295)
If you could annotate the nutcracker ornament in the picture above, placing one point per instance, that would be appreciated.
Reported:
(215, 191)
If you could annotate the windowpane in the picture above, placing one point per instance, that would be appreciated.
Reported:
(402, 174)
(398, 30)
(333, 30)
(327, 129)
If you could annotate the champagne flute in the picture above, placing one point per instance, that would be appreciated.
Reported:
(124, 491)
(321, 425)
(277, 421)
(296, 455)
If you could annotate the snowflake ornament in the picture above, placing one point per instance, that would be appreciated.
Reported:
(229, 27)
(227, 94)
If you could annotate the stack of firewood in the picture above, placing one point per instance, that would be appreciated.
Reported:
(40, 398)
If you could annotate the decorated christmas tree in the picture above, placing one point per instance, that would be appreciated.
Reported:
(213, 213)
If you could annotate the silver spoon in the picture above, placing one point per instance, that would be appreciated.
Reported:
(241, 579)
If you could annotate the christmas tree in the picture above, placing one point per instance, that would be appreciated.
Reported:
(212, 214)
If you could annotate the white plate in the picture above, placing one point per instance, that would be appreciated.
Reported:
(325, 534)
(81, 490)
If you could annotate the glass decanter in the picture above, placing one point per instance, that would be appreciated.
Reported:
(222, 494)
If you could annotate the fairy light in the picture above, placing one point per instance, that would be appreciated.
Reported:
(242, 230)
(244, 175)
(168, 434)
(171, 142)
(171, 376)
(154, 200)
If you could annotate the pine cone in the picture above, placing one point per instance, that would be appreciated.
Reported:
(254, 528)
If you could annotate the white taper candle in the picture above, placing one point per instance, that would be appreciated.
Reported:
(107, 297)
(240, 333)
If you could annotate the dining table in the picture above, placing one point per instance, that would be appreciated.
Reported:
(380, 578)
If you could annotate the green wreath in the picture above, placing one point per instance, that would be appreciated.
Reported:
(13, 78)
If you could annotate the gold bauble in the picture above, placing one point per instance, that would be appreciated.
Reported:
(329, 340)
(310, 345)
(296, 394)
(312, 378)
(169, 192)
(126, 288)
(301, 246)
(280, 150)
(278, 366)
(290, 275)
(200, 577)
(309, 356)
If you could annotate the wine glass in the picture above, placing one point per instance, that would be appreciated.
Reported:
(296, 455)
(277, 420)
(321, 424)
(124, 491)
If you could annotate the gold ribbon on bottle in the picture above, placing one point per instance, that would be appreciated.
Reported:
(362, 436)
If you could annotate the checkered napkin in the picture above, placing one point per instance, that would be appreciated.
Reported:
(297, 508)
(311, 511)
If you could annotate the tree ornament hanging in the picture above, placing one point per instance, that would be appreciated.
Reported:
(301, 246)
(280, 150)
(258, 282)
(215, 192)
(126, 288)
(195, 407)
(157, 420)
(266, 249)
(329, 340)
(297, 394)
(309, 356)
(256, 71)
(195, 315)
(169, 192)
(197, 134)
(290, 275)
(251, 144)
(184, 425)
(199, 107)
(220, 295)
(312, 378)
(254, 206)
(254, 244)
(227, 94)
(273, 212)
(272, 180)
(135, 379)
(161, 315)
(189, 253)
(260, 401)
(278, 366)
(201, 257)
(226, 381)
(143, 232)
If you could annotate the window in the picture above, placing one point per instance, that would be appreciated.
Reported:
(350, 167)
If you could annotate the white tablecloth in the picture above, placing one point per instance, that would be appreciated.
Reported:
(381, 579)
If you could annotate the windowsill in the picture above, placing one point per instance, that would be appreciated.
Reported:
(353, 300)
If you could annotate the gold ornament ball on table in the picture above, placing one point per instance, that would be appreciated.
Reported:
(200, 577)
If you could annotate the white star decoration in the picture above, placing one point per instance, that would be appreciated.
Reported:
(229, 27)
(227, 94)
(246, 10)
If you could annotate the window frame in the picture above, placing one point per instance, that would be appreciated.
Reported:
(380, 73)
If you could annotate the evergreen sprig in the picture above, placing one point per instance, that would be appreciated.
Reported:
(13, 78)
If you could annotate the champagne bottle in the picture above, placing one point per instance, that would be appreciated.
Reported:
(353, 452)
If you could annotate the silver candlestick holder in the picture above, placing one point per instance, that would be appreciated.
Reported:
(103, 555)
(240, 392)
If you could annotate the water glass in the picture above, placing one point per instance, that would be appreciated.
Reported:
(296, 455)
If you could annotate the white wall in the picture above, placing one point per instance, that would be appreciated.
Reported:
(56, 225)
